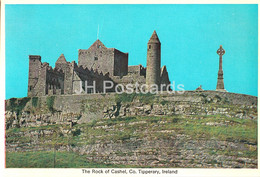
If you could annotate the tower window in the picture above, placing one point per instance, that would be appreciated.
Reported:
(98, 46)
(95, 58)
(149, 46)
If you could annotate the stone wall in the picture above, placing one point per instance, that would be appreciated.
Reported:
(121, 63)
(111, 105)
(98, 57)
(54, 81)
(34, 65)
(43, 79)
(97, 63)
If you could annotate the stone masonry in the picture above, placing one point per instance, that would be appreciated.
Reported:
(153, 60)
(95, 65)
(220, 83)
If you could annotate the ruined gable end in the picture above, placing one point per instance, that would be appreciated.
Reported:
(164, 76)
(106, 60)
(97, 45)
(61, 63)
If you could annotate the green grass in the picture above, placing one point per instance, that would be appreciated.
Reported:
(230, 129)
(243, 130)
(230, 152)
(147, 98)
(233, 129)
(124, 97)
(45, 159)
(24, 129)
(124, 129)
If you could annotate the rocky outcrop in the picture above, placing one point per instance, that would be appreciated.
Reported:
(85, 108)
(160, 142)
(203, 129)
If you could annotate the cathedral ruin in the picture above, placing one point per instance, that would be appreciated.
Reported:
(95, 65)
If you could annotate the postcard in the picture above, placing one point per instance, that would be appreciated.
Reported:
(111, 89)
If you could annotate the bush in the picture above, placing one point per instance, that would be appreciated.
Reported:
(93, 123)
(124, 97)
(35, 102)
(147, 98)
(175, 120)
(50, 103)
(76, 132)
(17, 105)
(164, 102)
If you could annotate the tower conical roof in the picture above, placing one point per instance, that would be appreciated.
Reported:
(154, 38)
(61, 59)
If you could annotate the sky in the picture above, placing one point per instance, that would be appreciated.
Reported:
(190, 36)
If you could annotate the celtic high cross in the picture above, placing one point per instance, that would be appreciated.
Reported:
(220, 83)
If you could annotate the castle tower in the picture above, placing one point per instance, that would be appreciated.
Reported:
(153, 61)
(34, 67)
(220, 83)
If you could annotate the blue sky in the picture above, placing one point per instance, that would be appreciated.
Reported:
(190, 36)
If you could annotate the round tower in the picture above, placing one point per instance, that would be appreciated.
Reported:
(153, 61)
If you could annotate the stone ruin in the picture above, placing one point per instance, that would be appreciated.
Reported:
(95, 65)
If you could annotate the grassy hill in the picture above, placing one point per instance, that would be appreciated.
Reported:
(207, 141)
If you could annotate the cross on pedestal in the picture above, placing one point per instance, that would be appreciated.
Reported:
(220, 83)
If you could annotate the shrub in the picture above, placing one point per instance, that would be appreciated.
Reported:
(164, 102)
(124, 97)
(76, 132)
(17, 105)
(93, 123)
(35, 101)
(50, 103)
(147, 98)
(175, 120)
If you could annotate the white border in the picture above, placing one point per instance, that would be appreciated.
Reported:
(198, 172)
